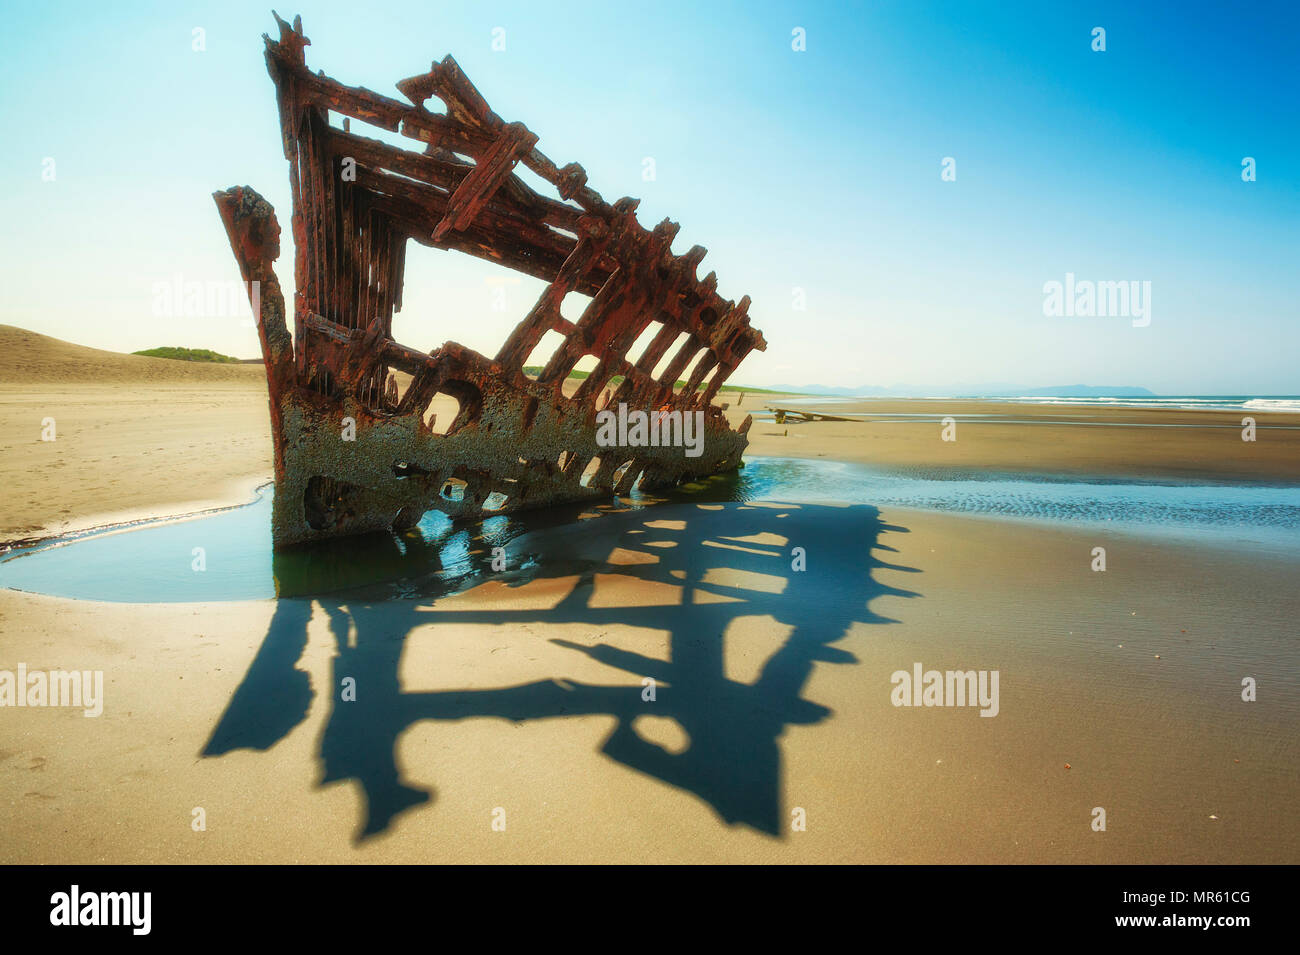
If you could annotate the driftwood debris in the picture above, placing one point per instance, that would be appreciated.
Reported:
(793, 414)
(356, 448)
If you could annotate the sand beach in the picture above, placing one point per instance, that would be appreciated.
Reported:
(510, 721)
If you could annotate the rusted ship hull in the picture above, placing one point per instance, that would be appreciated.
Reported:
(354, 450)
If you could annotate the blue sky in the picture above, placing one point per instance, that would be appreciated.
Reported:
(816, 170)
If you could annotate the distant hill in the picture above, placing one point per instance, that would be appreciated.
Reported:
(28, 357)
(971, 391)
(188, 354)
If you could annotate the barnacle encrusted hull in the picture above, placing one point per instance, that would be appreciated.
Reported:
(355, 447)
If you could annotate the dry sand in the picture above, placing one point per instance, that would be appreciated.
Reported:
(525, 693)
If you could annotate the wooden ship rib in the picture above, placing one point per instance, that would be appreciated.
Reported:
(353, 450)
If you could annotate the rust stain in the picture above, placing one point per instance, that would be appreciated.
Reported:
(353, 450)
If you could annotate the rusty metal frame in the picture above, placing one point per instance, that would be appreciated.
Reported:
(353, 452)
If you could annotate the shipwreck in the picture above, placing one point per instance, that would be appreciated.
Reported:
(355, 447)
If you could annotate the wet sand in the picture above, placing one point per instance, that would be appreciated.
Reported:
(773, 694)
(1082, 440)
(773, 691)
(131, 449)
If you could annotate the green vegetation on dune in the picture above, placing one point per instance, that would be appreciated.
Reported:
(751, 391)
(535, 370)
(188, 354)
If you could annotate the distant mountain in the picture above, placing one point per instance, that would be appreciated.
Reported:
(969, 391)
(1078, 391)
(864, 391)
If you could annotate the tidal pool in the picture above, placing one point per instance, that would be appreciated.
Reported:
(158, 561)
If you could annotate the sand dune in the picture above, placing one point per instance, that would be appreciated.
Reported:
(28, 357)
(133, 435)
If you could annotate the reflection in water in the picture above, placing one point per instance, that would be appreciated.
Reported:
(438, 557)
(155, 563)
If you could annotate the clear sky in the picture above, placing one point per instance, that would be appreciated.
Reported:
(817, 170)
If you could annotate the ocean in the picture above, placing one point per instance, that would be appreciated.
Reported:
(1246, 403)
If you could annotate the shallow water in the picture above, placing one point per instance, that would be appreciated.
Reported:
(156, 562)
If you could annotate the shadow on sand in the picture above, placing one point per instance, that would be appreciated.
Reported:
(738, 558)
